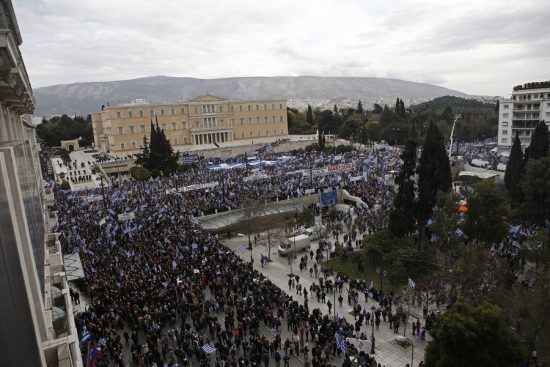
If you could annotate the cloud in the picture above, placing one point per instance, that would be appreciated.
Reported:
(474, 46)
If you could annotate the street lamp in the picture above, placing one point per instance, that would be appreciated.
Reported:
(372, 332)
(382, 274)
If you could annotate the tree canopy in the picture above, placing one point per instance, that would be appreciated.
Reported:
(158, 156)
(514, 170)
(402, 216)
(473, 336)
(539, 143)
(536, 190)
(63, 127)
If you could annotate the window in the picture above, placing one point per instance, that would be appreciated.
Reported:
(250, 120)
(265, 119)
(173, 111)
(182, 111)
(265, 107)
(505, 123)
(505, 115)
(175, 141)
(241, 107)
(282, 131)
(232, 122)
(242, 121)
(232, 109)
(129, 114)
(174, 125)
(162, 111)
(505, 106)
(258, 133)
(221, 108)
(133, 145)
(221, 122)
(121, 130)
(281, 118)
(152, 113)
(273, 106)
(122, 146)
(504, 132)
(131, 129)
(257, 120)
(257, 108)
(251, 133)
(197, 123)
(184, 124)
(242, 135)
(249, 107)
(195, 109)
(548, 104)
(267, 132)
(273, 119)
(281, 106)
(504, 140)
(140, 113)
(185, 139)
(118, 115)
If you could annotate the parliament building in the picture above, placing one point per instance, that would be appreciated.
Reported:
(203, 122)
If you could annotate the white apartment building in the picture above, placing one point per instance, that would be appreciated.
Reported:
(529, 104)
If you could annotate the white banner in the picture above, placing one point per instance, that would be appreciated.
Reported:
(254, 177)
(340, 167)
(355, 178)
(126, 216)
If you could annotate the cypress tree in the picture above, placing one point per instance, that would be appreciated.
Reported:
(434, 173)
(403, 113)
(309, 116)
(360, 109)
(515, 170)
(397, 109)
(539, 143)
(335, 109)
(402, 218)
(385, 116)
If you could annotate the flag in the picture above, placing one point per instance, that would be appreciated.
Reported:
(102, 342)
(273, 332)
(85, 335)
(371, 284)
(242, 248)
(411, 284)
(340, 343)
(207, 348)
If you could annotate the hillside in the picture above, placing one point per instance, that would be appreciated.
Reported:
(453, 102)
(84, 98)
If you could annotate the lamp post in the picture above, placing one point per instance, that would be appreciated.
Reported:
(372, 341)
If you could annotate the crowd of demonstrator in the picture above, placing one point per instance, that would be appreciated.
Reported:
(164, 292)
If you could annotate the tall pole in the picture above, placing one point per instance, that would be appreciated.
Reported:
(457, 116)
(412, 354)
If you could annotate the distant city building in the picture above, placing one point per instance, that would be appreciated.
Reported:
(530, 103)
(202, 121)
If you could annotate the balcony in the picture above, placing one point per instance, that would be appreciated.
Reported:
(15, 87)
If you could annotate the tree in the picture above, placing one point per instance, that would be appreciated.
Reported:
(434, 173)
(140, 173)
(360, 109)
(158, 156)
(377, 108)
(473, 336)
(66, 128)
(335, 109)
(309, 117)
(385, 116)
(487, 208)
(539, 143)
(536, 190)
(497, 106)
(402, 216)
(515, 170)
(447, 114)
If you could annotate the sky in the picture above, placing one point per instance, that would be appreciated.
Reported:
(480, 47)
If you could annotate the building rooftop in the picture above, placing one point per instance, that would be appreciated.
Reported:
(532, 85)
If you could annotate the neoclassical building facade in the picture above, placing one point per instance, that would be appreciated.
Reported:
(205, 121)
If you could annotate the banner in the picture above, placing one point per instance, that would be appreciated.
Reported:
(329, 198)
(254, 177)
(126, 216)
(340, 167)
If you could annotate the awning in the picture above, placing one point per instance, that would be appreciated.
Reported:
(73, 267)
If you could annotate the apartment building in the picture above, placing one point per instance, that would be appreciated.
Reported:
(37, 317)
(203, 121)
(529, 104)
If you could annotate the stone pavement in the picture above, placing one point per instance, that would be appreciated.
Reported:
(388, 352)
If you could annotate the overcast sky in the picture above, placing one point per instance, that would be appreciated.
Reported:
(474, 46)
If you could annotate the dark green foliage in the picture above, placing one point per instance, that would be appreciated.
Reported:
(297, 123)
(487, 208)
(140, 173)
(515, 170)
(539, 143)
(434, 173)
(497, 106)
(536, 190)
(360, 109)
(377, 108)
(473, 336)
(66, 128)
(158, 156)
(402, 217)
(309, 116)
(447, 114)
(306, 217)
(385, 116)
(65, 185)
(399, 109)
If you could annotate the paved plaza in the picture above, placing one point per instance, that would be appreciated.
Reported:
(388, 352)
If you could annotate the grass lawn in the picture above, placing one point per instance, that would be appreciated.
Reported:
(350, 269)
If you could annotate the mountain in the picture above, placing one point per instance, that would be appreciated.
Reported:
(84, 98)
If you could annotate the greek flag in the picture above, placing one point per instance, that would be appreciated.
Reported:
(273, 332)
(340, 342)
(207, 348)
(102, 342)
(242, 248)
(411, 284)
(85, 335)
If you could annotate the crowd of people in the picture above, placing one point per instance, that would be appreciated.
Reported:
(164, 292)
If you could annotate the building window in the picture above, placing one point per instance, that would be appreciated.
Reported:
(273, 119)
(250, 120)
(267, 132)
(505, 115)
(197, 123)
(162, 112)
(251, 133)
(265, 119)
(174, 125)
(173, 111)
(120, 130)
(273, 106)
(257, 120)
(184, 125)
(241, 107)
(221, 123)
(118, 115)
(242, 121)
(122, 146)
(232, 109)
(505, 106)
(232, 122)
(281, 106)
(249, 107)
(195, 109)
(504, 140)
(242, 135)
(175, 141)
(131, 129)
(142, 128)
(505, 123)
(258, 133)
(282, 131)
(152, 113)
(133, 145)
(257, 108)
(221, 108)
(140, 113)
(129, 114)
(265, 107)
(182, 111)
(185, 139)
(504, 132)
(281, 118)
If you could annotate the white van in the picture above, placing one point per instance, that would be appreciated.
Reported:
(292, 244)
